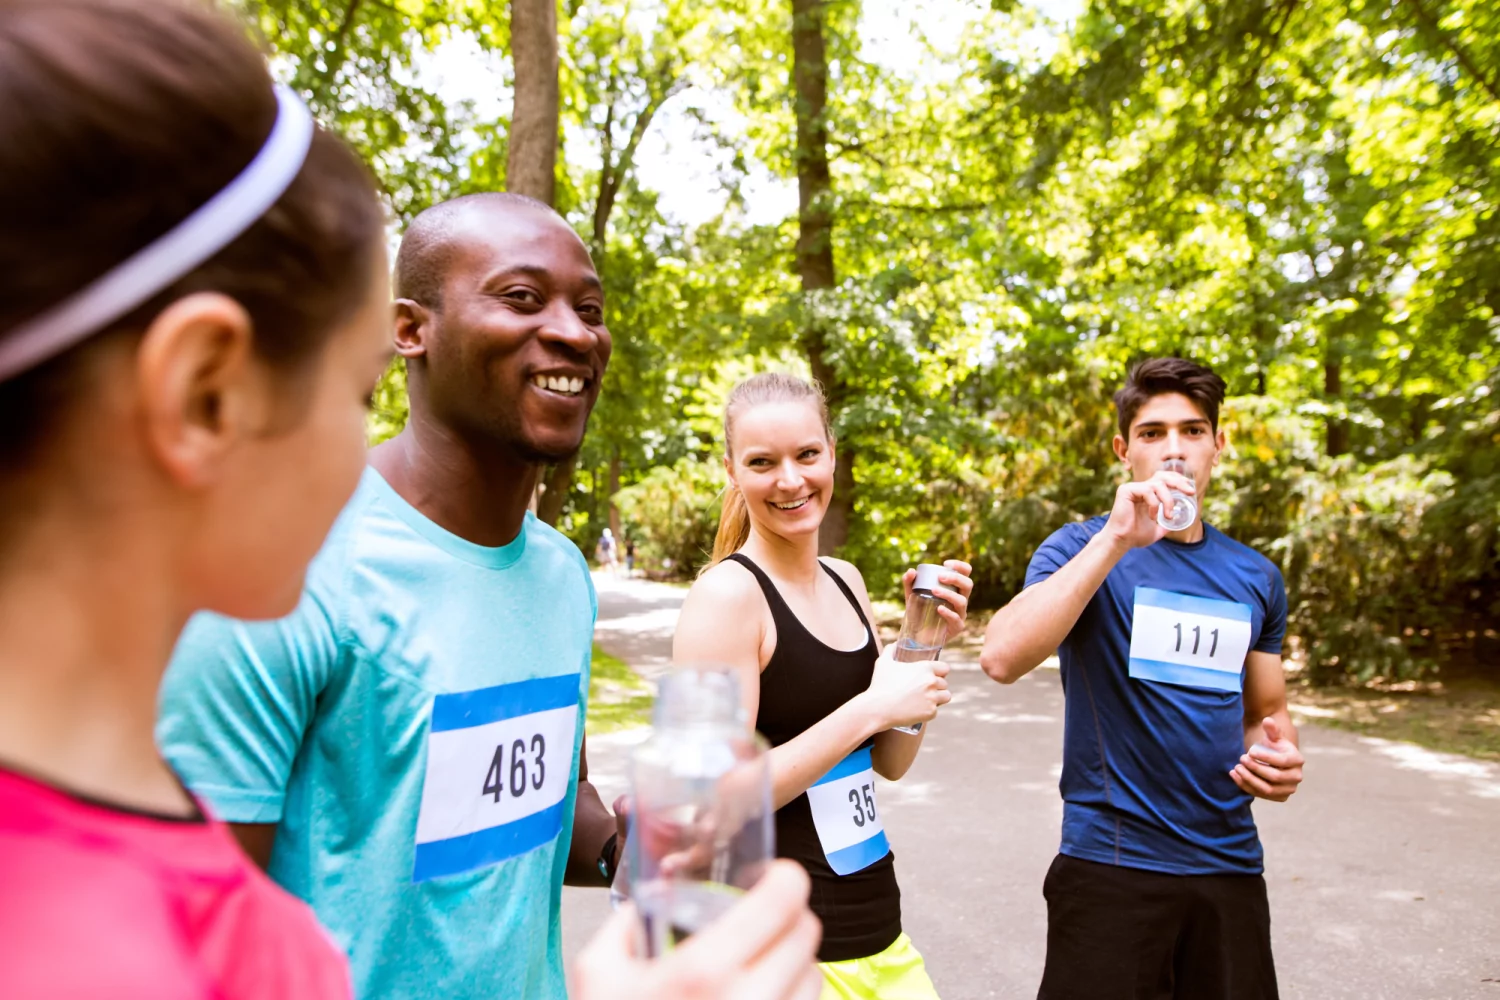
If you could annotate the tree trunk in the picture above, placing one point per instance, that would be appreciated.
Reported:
(1336, 442)
(615, 168)
(531, 156)
(815, 238)
(555, 485)
(531, 159)
(613, 488)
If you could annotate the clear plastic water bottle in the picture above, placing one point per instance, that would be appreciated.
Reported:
(1184, 508)
(923, 631)
(701, 823)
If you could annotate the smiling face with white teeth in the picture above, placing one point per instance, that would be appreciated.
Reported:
(782, 462)
(514, 348)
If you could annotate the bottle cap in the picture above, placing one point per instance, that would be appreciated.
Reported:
(927, 576)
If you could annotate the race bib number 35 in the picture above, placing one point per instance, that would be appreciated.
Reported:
(1192, 641)
(843, 811)
(499, 761)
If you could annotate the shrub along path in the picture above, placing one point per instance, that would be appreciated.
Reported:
(1382, 871)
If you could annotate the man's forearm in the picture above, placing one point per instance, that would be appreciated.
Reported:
(1031, 627)
(593, 824)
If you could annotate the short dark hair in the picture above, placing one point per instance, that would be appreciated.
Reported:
(1159, 376)
(427, 244)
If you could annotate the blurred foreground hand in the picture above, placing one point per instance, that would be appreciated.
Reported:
(762, 949)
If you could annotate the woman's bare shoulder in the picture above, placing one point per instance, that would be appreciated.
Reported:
(725, 586)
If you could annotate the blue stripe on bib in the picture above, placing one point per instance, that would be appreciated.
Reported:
(859, 760)
(505, 701)
(486, 847)
(1192, 605)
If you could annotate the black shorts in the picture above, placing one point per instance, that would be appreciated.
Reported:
(1125, 934)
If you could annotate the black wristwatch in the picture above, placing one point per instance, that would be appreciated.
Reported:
(606, 862)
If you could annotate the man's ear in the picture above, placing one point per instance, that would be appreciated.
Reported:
(413, 325)
(1221, 441)
(200, 390)
(1122, 450)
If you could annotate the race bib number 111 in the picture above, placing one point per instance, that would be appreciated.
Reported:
(499, 763)
(1191, 641)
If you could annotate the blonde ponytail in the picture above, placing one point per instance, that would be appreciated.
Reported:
(734, 525)
(767, 387)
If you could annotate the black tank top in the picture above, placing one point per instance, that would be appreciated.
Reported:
(805, 681)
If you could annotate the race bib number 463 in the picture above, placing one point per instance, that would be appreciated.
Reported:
(1192, 641)
(499, 761)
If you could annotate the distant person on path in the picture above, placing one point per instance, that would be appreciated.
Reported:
(1176, 718)
(405, 751)
(629, 557)
(799, 629)
(604, 552)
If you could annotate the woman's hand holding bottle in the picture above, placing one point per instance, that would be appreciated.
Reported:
(763, 948)
(953, 594)
(902, 694)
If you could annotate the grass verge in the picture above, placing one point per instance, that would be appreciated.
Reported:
(618, 698)
(1456, 716)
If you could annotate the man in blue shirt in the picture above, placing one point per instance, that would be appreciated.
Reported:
(405, 751)
(1176, 717)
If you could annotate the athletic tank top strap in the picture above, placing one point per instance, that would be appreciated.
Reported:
(788, 626)
(853, 601)
(781, 612)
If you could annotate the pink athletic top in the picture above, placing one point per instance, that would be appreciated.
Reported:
(99, 901)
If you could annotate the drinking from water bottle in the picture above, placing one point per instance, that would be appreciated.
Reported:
(1184, 509)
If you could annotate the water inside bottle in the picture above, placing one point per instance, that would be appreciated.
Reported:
(909, 650)
(672, 911)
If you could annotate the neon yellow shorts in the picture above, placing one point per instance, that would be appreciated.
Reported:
(898, 973)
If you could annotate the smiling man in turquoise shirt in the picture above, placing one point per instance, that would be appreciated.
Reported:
(405, 751)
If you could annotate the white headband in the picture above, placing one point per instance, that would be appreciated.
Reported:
(175, 253)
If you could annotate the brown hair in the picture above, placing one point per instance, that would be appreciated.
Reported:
(1158, 376)
(120, 119)
(767, 387)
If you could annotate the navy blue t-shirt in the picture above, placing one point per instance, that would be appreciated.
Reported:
(1153, 674)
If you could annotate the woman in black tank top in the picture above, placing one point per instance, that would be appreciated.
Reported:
(799, 630)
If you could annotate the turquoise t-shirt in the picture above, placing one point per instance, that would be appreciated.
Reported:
(413, 729)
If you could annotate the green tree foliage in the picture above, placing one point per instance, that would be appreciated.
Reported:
(1302, 193)
(354, 62)
(674, 510)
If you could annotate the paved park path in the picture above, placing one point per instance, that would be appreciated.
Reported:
(1384, 870)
